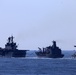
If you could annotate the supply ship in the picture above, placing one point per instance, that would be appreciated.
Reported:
(11, 50)
(50, 51)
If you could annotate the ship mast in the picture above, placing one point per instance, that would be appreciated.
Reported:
(10, 44)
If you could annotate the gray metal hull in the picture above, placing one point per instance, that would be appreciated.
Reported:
(12, 53)
(49, 55)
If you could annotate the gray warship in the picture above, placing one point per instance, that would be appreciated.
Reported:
(50, 52)
(74, 54)
(11, 50)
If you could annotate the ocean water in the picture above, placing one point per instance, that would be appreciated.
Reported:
(38, 66)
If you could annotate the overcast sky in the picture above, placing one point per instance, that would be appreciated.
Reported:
(35, 23)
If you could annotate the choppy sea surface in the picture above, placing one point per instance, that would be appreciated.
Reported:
(32, 65)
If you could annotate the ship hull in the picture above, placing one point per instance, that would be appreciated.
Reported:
(12, 53)
(19, 53)
(49, 55)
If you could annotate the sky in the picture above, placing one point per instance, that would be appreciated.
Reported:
(36, 23)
